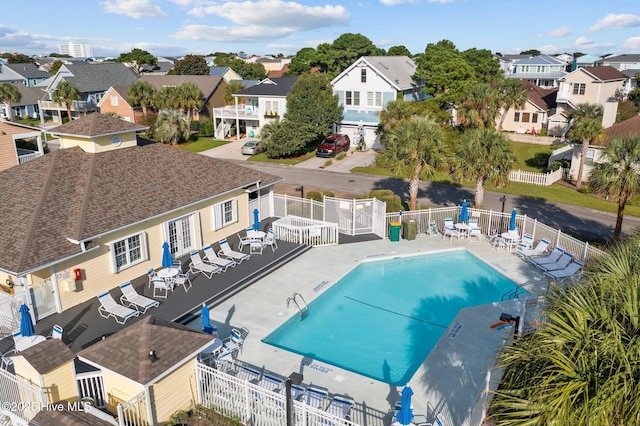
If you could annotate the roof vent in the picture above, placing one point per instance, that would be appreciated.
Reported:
(152, 356)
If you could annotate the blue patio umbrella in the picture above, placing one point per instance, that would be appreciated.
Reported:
(256, 220)
(167, 259)
(512, 221)
(405, 414)
(206, 320)
(464, 211)
(26, 324)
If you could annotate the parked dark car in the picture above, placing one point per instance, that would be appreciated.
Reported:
(333, 145)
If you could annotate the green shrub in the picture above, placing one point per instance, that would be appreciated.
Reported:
(394, 202)
(178, 418)
(314, 195)
(329, 194)
(206, 128)
(555, 165)
(543, 132)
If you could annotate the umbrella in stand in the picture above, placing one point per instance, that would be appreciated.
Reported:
(405, 414)
(512, 221)
(167, 259)
(464, 211)
(206, 320)
(26, 324)
(256, 220)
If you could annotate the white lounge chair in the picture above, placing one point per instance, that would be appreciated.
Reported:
(572, 270)
(131, 298)
(296, 391)
(227, 252)
(197, 265)
(210, 256)
(236, 339)
(110, 308)
(248, 374)
(449, 229)
(525, 243)
(551, 258)
(315, 396)
(562, 263)
(340, 406)
(271, 383)
(538, 250)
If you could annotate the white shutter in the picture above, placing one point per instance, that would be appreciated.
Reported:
(217, 217)
(234, 210)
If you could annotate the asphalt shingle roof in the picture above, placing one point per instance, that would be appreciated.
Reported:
(94, 125)
(48, 355)
(89, 77)
(28, 70)
(627, 127)
(280, 86)
(545, 99)
(397, 69)
(66, 417)
(606, 73)
(206, 83)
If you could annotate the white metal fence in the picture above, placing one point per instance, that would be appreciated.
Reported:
(8, 314)
(301, 230)
(21, 400)
(542, 179)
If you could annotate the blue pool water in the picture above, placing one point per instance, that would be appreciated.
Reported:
(383, 318)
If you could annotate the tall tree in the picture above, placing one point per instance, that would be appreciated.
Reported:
(510, 95)
(311, 101)
(392, 115)
(55, 66)
(287, 138)
(415, 148)
(165, 98)
(338, 56)
(18, 58)
(248, 70)
(483, 155)
(304, 59)
(190, 65)
(587, 128)
(189, 98)
(9, 94)
(171, 127)
(138, 60)
(232, 88)
(618, 175)
(399, 51)
(65, 93)
(479, 107)
(141, 94)
(484, 64)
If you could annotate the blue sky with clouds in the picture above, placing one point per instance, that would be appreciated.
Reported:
(179, 27)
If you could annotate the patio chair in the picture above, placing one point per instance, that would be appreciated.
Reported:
(270, 240)
(573, 269)
(340, 406)
(449, 229)
(315, 396)
(236, 339)
(538, 250)
(551, 258)
(56, 332)
(525, 243)
(198, 265)
(562, 263)
(227, 252)
(210, 256)
(183, 280)
(161, 288)
(110, 308)
(243, 241)
(151, 274)
(131, 298)
(475, 230)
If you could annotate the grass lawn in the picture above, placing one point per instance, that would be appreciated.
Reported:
(202, 144)
(262, 158)
(531, 157)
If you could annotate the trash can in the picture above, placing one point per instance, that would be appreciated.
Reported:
(409, 229)
(394, 231)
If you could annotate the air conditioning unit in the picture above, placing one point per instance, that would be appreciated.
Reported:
(70, 285)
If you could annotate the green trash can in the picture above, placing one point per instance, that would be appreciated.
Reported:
(409, 229)
(394, 231)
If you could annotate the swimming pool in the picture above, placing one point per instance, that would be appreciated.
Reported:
(383, 318)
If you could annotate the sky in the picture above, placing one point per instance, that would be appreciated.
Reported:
(200, 27)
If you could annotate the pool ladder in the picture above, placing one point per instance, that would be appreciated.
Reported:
(512, 294)
(304, 308)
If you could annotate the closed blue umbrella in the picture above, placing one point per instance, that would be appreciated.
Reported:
(464, 211)
(512, 221)
(405, 414)
(167, 259)
(256, 220)
(26, 324)
(206, 320)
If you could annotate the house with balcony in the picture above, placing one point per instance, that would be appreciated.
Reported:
(253, 107)
(19, 144)
(534, 115)
(92, 81)
(366, 87)
(593, 85)
(620, 62)
(541, 70)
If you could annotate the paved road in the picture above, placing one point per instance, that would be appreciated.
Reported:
(585, 223)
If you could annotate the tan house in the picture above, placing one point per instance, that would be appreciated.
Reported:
(11, 136)
(541, 103)
(115, 101)
(102, 207)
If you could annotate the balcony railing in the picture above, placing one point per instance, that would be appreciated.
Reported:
(241, 111)
(79, 106)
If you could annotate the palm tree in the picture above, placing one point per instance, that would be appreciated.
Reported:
(65, 93)
(189, 99)
(415, 147)
(392, 114)
(589, 131)
(141, 94)
(171, 127)
(618, 175)
(9, 94)
(483, 155)
(583, 366)
(510, 95)
(232, 87)
(479, 107)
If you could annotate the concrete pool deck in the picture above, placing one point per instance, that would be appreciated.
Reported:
(449, 380)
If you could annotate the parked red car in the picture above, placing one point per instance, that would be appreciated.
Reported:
(333, 145)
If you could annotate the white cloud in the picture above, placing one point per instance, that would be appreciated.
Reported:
(632, 43)
(558, 32)
(583, 41)
(622, 20)
(134, 8)
(243, 34)
(391, 2)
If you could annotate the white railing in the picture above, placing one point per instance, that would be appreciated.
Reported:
(301, 230)
(28, 157)
(232, 112)
(90, 385)
(543, 179)
(75, 105)
(285, 205)
(21, 400)
(133, 412)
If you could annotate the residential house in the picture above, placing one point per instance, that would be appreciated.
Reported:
(542, 70)
(116, 101)
(541, 104)
(27, 106)
(103, 206)
(507, 62)
(162, 67)
(620, 62)
(367, 86)
(92, 81)
(278, 73)
(594, 85)
(254, 107)
(212, 89)
(19, 144)
(226, 73)
(633, 75)
(585, 61)
(27, 74)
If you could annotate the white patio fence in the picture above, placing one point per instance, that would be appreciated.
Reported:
(21, 400)
(542, 179)
(301, 230)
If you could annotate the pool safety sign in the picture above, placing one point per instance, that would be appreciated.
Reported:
(454, 330)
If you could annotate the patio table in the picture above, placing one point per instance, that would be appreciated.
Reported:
(26, 342)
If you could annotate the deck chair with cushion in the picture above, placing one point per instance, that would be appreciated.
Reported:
(227, 252)
(525, 243)
(211, 257)
(551, 258)
(449, 229)
(570, 271)
(562, 263)
(271, 383)
(297, 391)
(340, 406)
(110, 308)
(131, 298)
(198, 265)
(248, 374)
(538, 250)
(315, 396)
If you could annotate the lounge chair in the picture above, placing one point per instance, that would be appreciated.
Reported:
(296, 391)
(538, 250)
(562, 263)
(131, 298)
(551, 258)
(210, 256)
(110, 308)
(198, 265)
(236, 339)
(227, 252)
(572, 270)
(340, 406)
(248, 374)
(315, 396)
(525, 243)
(449, 229)
(271, 383)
